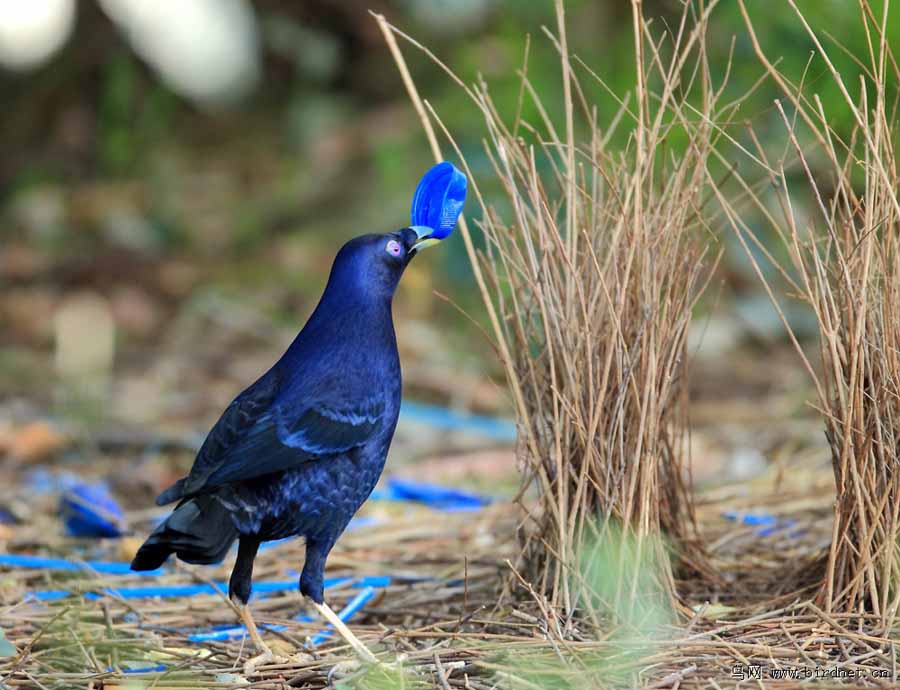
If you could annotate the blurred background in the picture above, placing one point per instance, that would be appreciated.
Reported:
(177, 176)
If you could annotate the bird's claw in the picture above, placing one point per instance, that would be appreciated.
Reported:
(267, 657)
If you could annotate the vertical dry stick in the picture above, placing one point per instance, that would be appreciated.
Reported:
(571, 230)
(640, 91)
(571, 240)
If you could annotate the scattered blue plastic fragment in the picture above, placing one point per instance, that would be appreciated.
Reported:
(275, 543)
(41, 481)
(438, 497)
(442, 418)
(11, 560)
(351, 609)
(236, 632)
(369, 585)
(222, 634)
(145, 669)
(767, 524)
(359, 522)
(439, 198)
(89, 510)
(193, 590)
(229, 633)
(750, 518)
(355, 523)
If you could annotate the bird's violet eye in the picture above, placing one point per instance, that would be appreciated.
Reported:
(393, 248)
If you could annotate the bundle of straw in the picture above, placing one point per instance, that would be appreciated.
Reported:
(589, 280)
(845, 264)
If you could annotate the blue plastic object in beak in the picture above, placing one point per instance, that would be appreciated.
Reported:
(438, 203)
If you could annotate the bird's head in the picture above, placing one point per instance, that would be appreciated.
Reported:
(370, 266)
(373, 264)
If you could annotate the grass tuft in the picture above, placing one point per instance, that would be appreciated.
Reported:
(590, 272)
(839, 225)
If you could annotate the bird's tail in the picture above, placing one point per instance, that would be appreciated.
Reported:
(172, 494)
(199, 531)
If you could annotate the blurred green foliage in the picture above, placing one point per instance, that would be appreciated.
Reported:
(328, 145)
(390, 676)
(621, 575)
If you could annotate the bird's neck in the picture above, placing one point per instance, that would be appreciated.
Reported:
(365, 310)
(362, 322)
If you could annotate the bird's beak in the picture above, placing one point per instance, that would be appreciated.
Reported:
(424, 238)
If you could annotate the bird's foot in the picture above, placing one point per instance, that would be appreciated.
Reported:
(267, 657)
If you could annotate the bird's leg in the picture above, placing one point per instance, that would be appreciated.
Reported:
(361, 650)
(265, 654)
(312, 585)
(240, 584)
(239, 587)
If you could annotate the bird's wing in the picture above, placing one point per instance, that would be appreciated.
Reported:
(280, 441)
(260, 434)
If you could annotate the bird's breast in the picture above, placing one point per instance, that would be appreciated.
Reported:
(317, 499)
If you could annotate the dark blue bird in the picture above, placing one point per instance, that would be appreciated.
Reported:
(299, 451)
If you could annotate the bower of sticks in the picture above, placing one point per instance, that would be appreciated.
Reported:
(638, 480)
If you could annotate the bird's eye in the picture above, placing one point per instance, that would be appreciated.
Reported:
(393, 248)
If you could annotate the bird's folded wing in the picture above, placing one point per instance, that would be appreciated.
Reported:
(259, 434)
(281, 441)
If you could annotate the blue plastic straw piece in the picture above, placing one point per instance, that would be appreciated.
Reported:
(225, 634)
(10, 560)
(369, 583)
(443, 498)
(750, 518)
(50, 595)
(355, 523)
(220, 635)
(442, 418)
(373, 581)
(440, 497)
(178, 591)
(238, 631)
(780, 526)
(157, 591)
(267, 545)
(358, 522)
(146, 669)
(350, 610)
(768, 524)
(168, 591)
